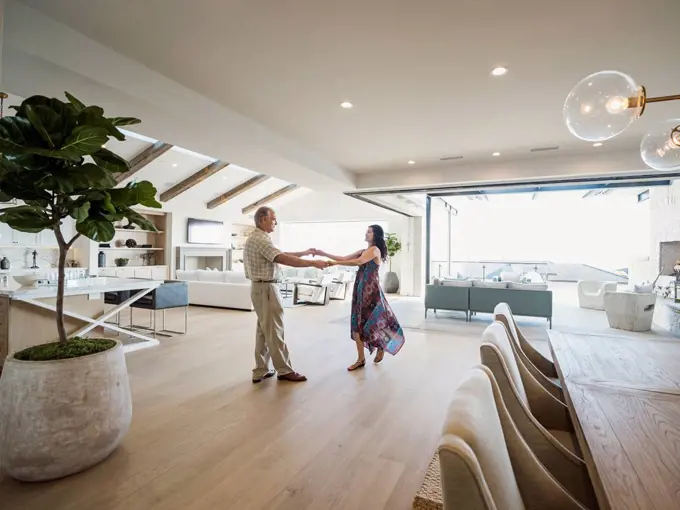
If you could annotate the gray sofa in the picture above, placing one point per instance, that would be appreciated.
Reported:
(472, 300)
(440, 297)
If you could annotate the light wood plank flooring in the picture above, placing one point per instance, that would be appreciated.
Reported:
(203, 437)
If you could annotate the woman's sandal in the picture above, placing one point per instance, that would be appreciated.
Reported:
(356, 365)
(379, 356)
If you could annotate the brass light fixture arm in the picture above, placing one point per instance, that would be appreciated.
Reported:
(641, 100)
(662, 99)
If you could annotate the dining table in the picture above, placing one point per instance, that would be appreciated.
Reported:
(623, 395)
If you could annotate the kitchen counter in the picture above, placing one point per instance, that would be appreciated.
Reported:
(86, 286)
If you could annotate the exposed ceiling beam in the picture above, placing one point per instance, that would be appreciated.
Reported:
(193, 180)
(237, 190)
(144, 158)
(269, 198)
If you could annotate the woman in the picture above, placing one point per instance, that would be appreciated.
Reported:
(373, 323)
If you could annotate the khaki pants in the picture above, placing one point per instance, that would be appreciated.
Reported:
(269, 341)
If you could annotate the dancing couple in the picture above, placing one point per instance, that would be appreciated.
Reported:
(373, 325)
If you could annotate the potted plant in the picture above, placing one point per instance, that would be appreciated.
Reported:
(391, 279)
(65, 405)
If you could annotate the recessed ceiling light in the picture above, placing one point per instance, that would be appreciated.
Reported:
(598, 144)
(411, 162)
(499, 71)
(346, 105)
(496, 154)
(174, 164)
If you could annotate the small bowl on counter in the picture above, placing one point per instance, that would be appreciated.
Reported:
(26, 280)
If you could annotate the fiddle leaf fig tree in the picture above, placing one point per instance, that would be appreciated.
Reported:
(53, 160)
(393, 246)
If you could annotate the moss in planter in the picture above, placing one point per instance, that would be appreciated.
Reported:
(73, 348)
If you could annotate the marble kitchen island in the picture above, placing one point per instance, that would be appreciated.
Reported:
(27, 314)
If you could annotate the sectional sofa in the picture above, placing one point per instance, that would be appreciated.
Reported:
(474, 296)
(223, 289)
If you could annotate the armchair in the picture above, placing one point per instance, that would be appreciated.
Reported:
(591, 293)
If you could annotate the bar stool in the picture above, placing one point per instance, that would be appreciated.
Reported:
(171, 294)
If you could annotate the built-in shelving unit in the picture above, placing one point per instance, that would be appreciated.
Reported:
(239, 236)
(150, 262)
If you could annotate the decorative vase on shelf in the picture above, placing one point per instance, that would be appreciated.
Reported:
(101, 259)
(4, 264)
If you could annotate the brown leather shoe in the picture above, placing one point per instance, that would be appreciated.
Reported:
(292, 377)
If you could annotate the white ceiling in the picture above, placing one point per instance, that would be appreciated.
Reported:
(418, 73)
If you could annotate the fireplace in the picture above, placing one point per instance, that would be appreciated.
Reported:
(669, 252)
(192, 258)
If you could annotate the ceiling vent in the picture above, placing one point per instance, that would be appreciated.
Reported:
(545, 149)
(450, 158)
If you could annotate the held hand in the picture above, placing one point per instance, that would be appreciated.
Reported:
(319, 264)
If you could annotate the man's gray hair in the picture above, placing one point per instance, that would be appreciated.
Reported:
(262, 213)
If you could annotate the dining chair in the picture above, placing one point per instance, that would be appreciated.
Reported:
(541, 368)
(562, 463)
(525, 396)
(485, 463)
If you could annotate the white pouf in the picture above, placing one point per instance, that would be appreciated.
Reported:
(630, 311)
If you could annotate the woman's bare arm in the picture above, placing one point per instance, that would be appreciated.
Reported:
(365, 257)
(351, 256)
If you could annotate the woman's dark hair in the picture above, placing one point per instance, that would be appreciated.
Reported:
(379, 240)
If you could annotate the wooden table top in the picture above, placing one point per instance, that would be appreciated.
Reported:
(624, 397)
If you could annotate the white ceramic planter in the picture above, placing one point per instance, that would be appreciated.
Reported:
(61, 417)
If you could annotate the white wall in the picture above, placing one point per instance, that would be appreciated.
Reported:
(335, 206)
(664, 204)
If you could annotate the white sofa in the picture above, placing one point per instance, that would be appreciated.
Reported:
(591, 293)
(630, 311)
(224, 289)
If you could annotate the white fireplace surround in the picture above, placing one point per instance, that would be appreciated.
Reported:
(191, 258)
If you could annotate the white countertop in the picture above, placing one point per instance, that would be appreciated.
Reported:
(92, 286)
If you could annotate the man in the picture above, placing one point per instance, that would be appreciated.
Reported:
(261, 259)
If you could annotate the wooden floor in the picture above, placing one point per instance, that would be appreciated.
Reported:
(203, 437)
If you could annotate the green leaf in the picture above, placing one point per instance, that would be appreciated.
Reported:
(17, 136)
(135, 193)
(139, 220)
(111, 161)
(26, 218)
(96, 176)
(80, 178)
(52, 103)
(99, 230)
(81, 213)
(124, 121)
(85, 140)
(35, 119)
(94, 116)
(78, 105)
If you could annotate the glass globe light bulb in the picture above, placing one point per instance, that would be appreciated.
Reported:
(600, 107)
(660, 147)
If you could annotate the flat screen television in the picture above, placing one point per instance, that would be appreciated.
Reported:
(204, 231)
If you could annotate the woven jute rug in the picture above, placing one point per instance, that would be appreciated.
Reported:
(429, 496)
